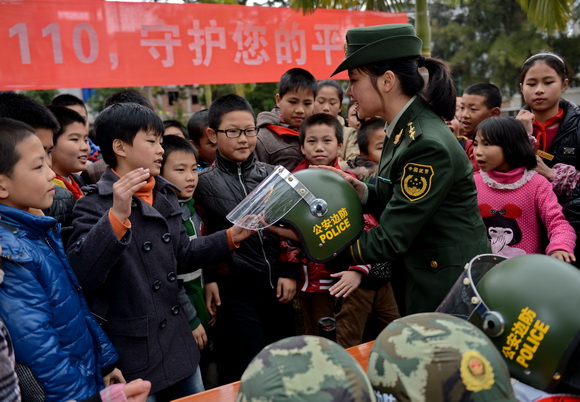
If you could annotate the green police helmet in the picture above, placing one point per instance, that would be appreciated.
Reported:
(437, 357)
(528, 306)
(304, 368)
(321, 205)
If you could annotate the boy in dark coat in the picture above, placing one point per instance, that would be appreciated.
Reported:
(129, 244)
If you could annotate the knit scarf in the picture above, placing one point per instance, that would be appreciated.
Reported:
(542, 130)
(70, 184)
(146, 192)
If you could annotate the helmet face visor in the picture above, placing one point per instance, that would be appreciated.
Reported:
(463, 299)
(269, 202)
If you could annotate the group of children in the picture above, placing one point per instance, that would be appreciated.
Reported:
(525, 167)
(154, 215)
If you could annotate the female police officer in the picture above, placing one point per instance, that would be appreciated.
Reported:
(424, 197)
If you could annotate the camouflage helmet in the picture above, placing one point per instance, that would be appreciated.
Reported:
(437, 357)
(304, 368)
(322, 206)
(527, 306)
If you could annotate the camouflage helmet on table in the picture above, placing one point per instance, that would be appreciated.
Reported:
(304, 368)
(437, 357)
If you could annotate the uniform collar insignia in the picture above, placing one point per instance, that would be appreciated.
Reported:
(411, 131)
(398, 138)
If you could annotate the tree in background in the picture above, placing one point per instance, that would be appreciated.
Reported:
(489, 41)
(547, 15)
(43, 96)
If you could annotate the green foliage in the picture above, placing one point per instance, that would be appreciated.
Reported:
(548, 16)
(43, 96)
(495, 39)
(262, 97)
(97, 102)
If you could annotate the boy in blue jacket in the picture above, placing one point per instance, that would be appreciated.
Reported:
(57, 343)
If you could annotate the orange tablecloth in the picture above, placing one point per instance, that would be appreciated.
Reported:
(228, 392)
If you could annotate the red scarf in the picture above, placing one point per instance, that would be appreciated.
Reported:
(541, 130)
(280, 130)
(70, 184)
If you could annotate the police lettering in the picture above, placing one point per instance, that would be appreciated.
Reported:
(532, 342)
(335, 231)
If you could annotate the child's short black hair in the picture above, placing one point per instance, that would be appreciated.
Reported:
(226, 104)
(28, 110)
(295, 79)
(509, 134)
(128, 96)
(322, 119)
(197, 125)
(65, 117)
(176, 124)
(123, 121)
(367, 127)
(68, 100)
(12, 133)
(490, 93)
(331, 83)
(175, 143)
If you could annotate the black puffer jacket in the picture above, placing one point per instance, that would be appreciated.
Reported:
(62, 207)
(566, 149)
(220, 189)
(566, 144)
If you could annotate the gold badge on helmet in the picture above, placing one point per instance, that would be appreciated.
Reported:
(416, 181)
(476, 372)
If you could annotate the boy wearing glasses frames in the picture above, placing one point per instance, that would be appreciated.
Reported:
(250, 291)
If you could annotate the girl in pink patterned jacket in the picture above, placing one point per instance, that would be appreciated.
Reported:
(515, 202)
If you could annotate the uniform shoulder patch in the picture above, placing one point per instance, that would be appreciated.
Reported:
(416, 181)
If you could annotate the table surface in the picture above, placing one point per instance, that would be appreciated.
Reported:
(228, 392)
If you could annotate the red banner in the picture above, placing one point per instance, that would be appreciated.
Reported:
(86, 44)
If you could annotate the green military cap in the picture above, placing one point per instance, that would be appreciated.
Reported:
(438, 357)
(304, 368)
(367, 45)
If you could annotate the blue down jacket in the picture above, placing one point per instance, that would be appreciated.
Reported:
(42, 304)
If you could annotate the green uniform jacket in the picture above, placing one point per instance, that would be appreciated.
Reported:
(426, 203)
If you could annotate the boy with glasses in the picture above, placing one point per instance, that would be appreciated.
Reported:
(250, 291)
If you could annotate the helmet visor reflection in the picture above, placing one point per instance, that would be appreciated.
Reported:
(463, 299)
(269, 202)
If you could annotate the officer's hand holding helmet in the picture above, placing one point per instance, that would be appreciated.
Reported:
(320, 205)
(529, 307)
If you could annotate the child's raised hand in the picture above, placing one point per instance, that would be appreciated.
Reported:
(286, 232)
(212, 299)
(137, 390)
(200, 336)
(349, 281)
(286, 289)
(563, 255)
(239, 233)
(124, 189)
(543, 169)
(527, 119)
(114, 377)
